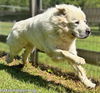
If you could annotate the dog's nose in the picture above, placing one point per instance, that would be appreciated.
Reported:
(88, 32)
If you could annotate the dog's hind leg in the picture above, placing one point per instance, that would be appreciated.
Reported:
(82, 76)
(26, 53)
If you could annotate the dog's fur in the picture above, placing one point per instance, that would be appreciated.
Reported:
(54, 32)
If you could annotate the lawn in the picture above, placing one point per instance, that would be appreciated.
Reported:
(90, 43)
(5, 27)
(27, 78)
(30, 77)
(94, 72)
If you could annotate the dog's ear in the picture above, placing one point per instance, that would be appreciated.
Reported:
(61, 10)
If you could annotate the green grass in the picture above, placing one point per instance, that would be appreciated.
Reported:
(14, 78)
(4, 47)
(5, 27)
(91, 43)
(43, 58)
(34, 78)
(95, 28)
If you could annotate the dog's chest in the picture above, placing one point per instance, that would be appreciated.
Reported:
(64, 42)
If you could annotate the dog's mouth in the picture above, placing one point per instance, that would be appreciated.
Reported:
(80, 36)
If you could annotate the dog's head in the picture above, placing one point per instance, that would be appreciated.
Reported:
(72, 20)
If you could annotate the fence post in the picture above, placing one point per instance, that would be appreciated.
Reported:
(35, 6)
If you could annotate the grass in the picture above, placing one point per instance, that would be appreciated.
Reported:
(33, 78)
(91, 43)
(29, 77)
(95, 28)
(15, 78)
(4, 47)
(5, 27)
(43, 58)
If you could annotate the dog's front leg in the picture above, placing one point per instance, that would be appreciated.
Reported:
(82, 76)
(73, 58)
(79, 69)
(75, 62)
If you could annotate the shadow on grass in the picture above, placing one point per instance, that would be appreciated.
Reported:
(66, 75)
(16, 72)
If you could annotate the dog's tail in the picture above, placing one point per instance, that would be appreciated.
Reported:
(3, 38)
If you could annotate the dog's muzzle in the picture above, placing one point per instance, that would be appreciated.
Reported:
(82, 35)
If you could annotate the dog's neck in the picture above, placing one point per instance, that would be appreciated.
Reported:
(65, 41)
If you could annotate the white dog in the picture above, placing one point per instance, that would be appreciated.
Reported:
(54, 32)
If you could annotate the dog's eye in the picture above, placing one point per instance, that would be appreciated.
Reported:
(77, 22)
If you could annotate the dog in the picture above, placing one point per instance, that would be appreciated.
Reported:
(55, 32)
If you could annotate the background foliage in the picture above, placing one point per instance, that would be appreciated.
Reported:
(82, 3)
(46, 3)
(15, 2)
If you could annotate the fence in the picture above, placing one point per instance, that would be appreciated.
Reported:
(93, 15)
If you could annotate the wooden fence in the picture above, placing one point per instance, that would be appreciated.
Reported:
(93, 15)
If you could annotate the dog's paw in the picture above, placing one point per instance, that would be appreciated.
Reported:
(80, 60)
(89, 84)
(92, 85)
